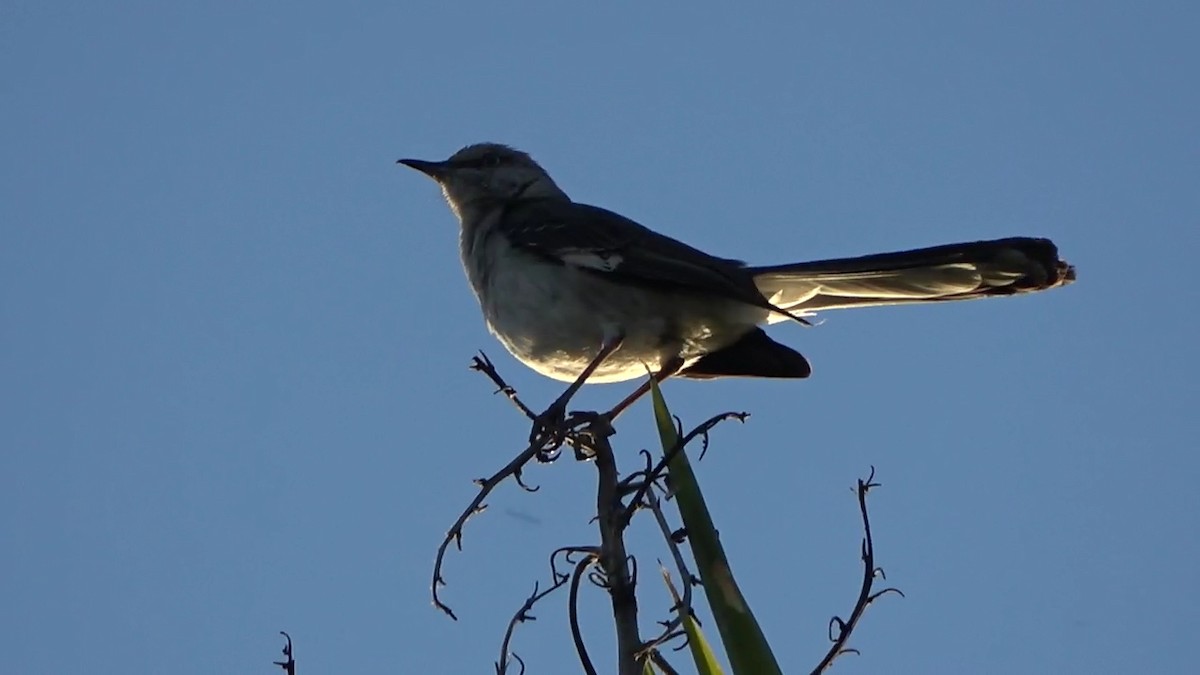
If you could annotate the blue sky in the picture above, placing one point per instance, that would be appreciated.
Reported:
(234, 335)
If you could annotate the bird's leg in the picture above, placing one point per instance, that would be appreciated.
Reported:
(548, 426)
(668, 369)
(601, 424)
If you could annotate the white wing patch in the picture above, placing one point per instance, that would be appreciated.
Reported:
(595, 260)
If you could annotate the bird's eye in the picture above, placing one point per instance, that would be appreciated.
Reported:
(489, 160)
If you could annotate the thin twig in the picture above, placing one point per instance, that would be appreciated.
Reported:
(683, 606)
(484, 365)
(522, 616)
(701, 431)
(636, 481)
(513, 468)
(588, 553)
(865, 596)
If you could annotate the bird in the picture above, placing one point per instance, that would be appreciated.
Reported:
(582, 294)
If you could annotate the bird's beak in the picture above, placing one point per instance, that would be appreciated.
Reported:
(435, 170)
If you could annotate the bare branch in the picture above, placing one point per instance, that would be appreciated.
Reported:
(522, 616)
(654, 474)
(568, 553)
(289, 666)
(614, 561)
(484, 365)
(865, 595)
(454, 534)
(514, 469)
(573, 615)
(609, 565)
(683, 606)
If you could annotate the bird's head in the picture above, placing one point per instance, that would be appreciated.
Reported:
(485, 173)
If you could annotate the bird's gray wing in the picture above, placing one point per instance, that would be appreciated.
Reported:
(609, 244)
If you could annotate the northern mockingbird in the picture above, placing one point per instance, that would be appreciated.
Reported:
(582, 294)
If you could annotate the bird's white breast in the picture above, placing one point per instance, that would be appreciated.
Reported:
(555, 317)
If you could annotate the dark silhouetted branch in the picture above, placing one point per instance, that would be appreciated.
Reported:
(660, 662)
(573, 615)
(865, 595)
(289, 666)
(609, 565)
(614, 561)
(454, 534)
(484, 365)
(683, 607)
(647, 479)
(522, 616)
(513, 469)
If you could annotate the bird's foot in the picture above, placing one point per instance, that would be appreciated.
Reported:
(555, 426)
(589, 429)
(550, 431)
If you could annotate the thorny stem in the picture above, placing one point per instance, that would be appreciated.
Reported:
(560, 579)
(289, 666)
(865, 596)
(484, 365)
(616, 570)
(614, 559)
(522, 616)
(683, 607)
(660, 468)
(513, 468)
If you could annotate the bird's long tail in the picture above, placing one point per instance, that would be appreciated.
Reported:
(937, 274)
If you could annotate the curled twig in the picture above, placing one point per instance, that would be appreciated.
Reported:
(567, 553)
(573, 614)
(514, 469)
(454, 534)
(654, 474)
(840, 630)
(607, 565)
(289, 666)
(637, 481)
(522, 616)
(559, 579)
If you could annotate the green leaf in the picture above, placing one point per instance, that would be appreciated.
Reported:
(745, 644)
